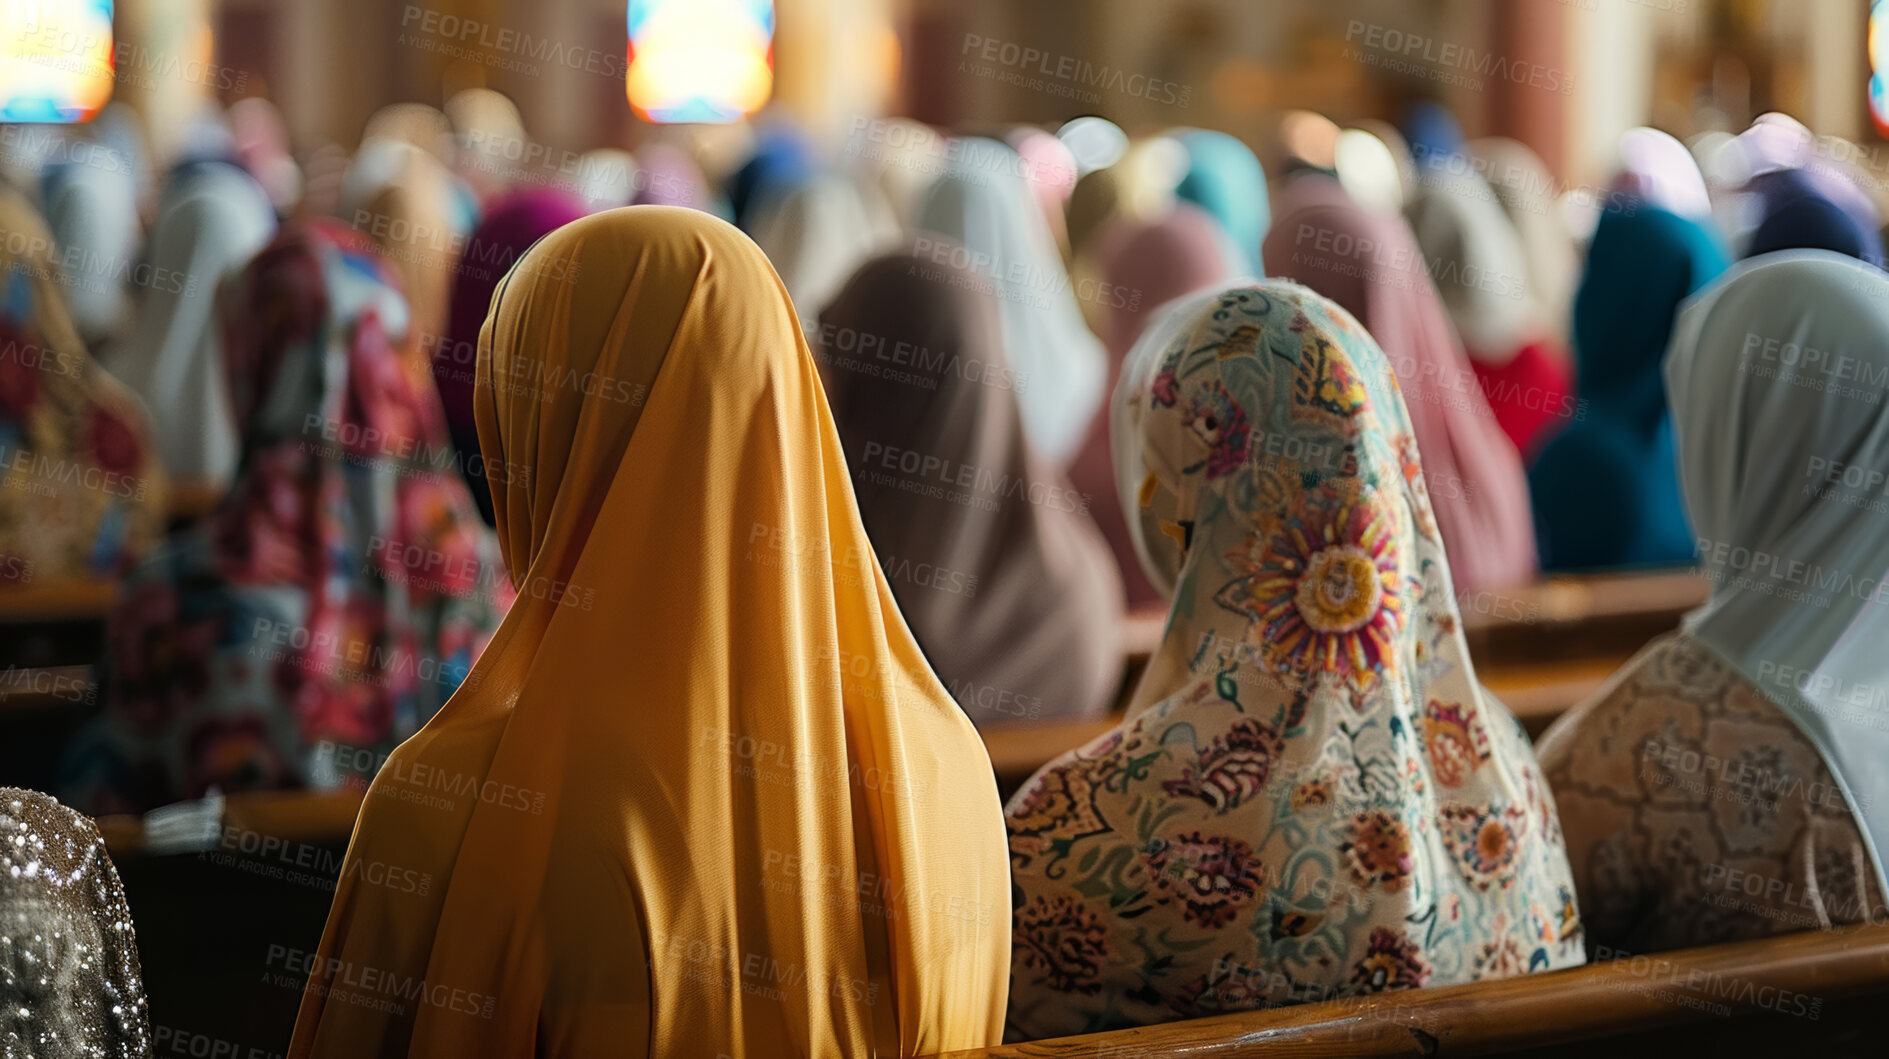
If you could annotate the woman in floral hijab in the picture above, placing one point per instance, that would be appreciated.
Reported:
(1312, 797)
(81, 491)
(345, 585)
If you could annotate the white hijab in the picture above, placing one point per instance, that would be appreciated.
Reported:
(1779, 378)
(1478, 261)
(210, 224)
(92, 212)
(817, 233)
(982, 204)
(1659, 170)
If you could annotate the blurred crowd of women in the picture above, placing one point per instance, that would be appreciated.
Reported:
(998, 389)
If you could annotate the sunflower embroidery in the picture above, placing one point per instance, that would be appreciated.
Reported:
(1323, 592)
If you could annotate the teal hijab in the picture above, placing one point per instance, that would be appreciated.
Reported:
(1225, 178)
(1606, 490)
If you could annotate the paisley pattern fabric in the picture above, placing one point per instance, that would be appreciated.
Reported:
(81, 487)
(1312, 796)
(340, 592)
(1697, 812)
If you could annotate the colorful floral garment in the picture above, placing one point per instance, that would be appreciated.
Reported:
(1698, 813)
(81, 490)
(341, 591)
(1312, 797)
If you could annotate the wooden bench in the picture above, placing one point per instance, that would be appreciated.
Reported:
(54, 622)
(187, 500)
(41, 710)
(1794, 987)
(223, 932)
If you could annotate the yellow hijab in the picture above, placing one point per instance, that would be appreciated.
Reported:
(701, 794)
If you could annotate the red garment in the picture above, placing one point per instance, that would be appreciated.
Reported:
(1532, 396)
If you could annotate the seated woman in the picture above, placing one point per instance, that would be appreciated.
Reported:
(1147, 264)
(709, 798)
(212, 219)
(81, 488)
(70, 983)
(1605, 489)
(1729, 782)
(341, 589)
(993, 557)
(1312, 796)
(508, 229)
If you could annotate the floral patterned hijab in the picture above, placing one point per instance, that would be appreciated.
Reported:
(81, 490)
(345, 585)
(1312, 796)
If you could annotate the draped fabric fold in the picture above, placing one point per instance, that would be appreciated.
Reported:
(702, 793)
(994, 558)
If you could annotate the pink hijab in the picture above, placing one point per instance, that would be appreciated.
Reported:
(1142, 264)
(1370, 264)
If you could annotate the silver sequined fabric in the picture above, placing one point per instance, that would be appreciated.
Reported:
(69, 980)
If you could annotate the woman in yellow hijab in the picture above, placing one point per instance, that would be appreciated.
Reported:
(701, 794)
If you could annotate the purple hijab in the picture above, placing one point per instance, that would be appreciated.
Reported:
(513, 223)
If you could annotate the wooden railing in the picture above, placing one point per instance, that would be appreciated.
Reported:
(1792, 977)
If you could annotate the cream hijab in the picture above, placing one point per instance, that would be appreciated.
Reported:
(702, 793)
(1779, 380)
(982, 205)
(817, 233)
(210, 224)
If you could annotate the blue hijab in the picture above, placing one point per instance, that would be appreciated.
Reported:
(1796, 214)
(1225, 178)
(1606, 490)
(782, 160)
(1433, 134)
